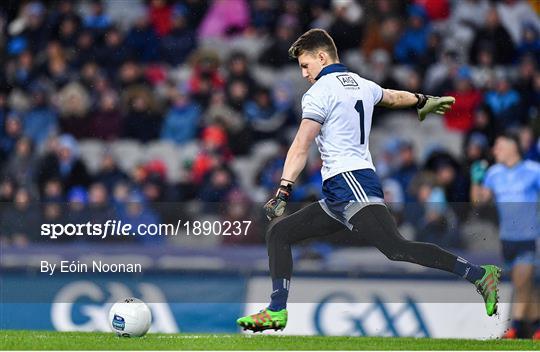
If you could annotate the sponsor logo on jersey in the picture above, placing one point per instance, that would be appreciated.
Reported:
(347, 81)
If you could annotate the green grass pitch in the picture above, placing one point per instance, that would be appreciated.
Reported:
(47, 340)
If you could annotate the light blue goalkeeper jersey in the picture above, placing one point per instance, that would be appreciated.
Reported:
(517, 194)
(342, 102)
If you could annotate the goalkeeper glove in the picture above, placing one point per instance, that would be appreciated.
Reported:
(430, 104)
(276, 206)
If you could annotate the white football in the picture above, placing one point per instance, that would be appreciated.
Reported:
(130, 317)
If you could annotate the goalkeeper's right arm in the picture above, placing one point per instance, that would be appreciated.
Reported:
(424, 104)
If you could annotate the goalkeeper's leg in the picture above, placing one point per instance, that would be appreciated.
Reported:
(377, 226)
(309, 222)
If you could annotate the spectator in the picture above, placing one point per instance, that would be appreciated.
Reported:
(214, 153)
(131, 78)
(86, 49)
(436, 223)
(282, 95)
(64, 164)
(52, 190)
(205, 77)
(378, 69)
(439, 77)
(407, 168)
(468, 99)
(476, 151)
(276, 54)
(262, 114)
(183, 118)
(394, 198)
(141, 122)
(263, 16)
(41, 121)
(107, 122)
(216, 185)
(68, 31)
(345, 29)
(120, 196)
(530, 43)
(114, 53)
(109, 173)
(21, 164)
(536, 91)
(137, 213)
(467, 18)
(242, 208)
(35, 27)
(160, 14)
(484, 73)
(448, 176)
(97, 20)
(52, 212)
(13, 130)
(238, 69)
(412, 46)
(321, 17)
(7, 189)
(142, 41)
(73, 103)
(99, 208)
(435, 10)
(529, 144)
(219, 113)
(270, 171)
(58, 72)
(180, 41)
(386, 162)
(4, 91)
(20, 222)
(494, 39)
(224, 18)
(64, 10)
(482, 125)
(309, 188)
(505, 103)
(76, 211)
(383, 25)
(237, 93)
(525, 86)
(22, 73)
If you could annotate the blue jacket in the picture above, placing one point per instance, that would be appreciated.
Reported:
(181, 123)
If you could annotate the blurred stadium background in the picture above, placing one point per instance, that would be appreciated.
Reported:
(158, 111)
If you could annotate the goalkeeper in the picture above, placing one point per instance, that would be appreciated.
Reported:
(337, 113)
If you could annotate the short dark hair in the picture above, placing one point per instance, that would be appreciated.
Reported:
(313, 40)
(513, 136)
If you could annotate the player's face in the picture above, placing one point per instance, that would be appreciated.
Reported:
(504, 150)
(311, 66)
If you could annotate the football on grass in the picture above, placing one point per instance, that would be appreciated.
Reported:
(130, 317)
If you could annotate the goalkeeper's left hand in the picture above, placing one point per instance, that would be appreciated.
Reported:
(430, 104)
(276, 206)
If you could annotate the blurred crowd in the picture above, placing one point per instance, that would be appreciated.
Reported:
(216, 73)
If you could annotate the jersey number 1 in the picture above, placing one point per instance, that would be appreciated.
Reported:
(360, 108)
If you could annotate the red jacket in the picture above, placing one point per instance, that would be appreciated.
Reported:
(460, 116)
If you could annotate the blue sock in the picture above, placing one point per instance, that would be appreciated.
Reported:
(280, 293)
(468, 271)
